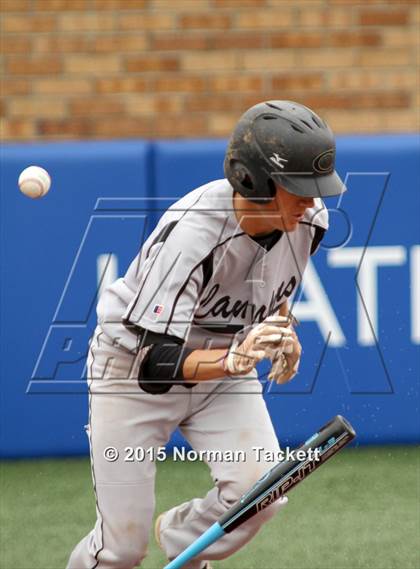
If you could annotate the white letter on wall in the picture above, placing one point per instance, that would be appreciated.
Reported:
(367, 300)
(106, 271)
(415, 294)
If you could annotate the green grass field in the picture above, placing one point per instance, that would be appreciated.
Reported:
(361, 510)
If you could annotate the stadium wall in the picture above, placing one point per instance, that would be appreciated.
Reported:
(359, 308)
(102, 69)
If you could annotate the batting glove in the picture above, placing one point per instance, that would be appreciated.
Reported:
(285, 362)
(259, 343)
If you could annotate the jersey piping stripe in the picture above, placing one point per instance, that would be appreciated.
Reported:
(311, 224)
(144, 282)
(207, 269)
(101, 548)
(163, 234)
(318, 237)
(181, 290)
(220, 328)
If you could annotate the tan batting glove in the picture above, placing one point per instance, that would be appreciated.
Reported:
(242, 358)
(285, 362)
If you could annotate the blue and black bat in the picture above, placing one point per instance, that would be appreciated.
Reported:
(275, 483)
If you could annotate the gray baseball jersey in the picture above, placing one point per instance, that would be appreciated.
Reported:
(201, 278)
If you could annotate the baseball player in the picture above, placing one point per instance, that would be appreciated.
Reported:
(179, 336)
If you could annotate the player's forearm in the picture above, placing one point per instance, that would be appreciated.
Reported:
(284, 309)
(202, 365)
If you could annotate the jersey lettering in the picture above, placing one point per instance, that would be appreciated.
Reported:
(243, 308)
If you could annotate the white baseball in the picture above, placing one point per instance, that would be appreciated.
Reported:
(34, 182)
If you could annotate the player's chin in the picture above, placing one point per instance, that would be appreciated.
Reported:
(291, 224)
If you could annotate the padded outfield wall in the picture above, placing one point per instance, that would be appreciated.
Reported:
(359, 307)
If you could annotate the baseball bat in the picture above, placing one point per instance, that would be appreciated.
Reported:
(279, 480)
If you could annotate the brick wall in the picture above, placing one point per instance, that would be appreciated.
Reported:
(181, 68)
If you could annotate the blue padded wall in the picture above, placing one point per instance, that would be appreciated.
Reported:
(49, 252)
(105, 199)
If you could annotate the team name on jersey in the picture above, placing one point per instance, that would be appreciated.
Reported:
(227, 307)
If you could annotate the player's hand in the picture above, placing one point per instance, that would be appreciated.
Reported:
(285, 362)
(258, 344)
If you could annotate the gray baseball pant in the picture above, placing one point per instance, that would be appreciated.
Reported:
(227, 415)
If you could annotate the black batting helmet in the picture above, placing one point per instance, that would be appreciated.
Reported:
(285, 143)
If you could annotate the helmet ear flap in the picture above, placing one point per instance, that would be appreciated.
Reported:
(241, 174)
(244, 181)
(271, 187)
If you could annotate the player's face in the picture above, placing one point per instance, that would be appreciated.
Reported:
(291, 208)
